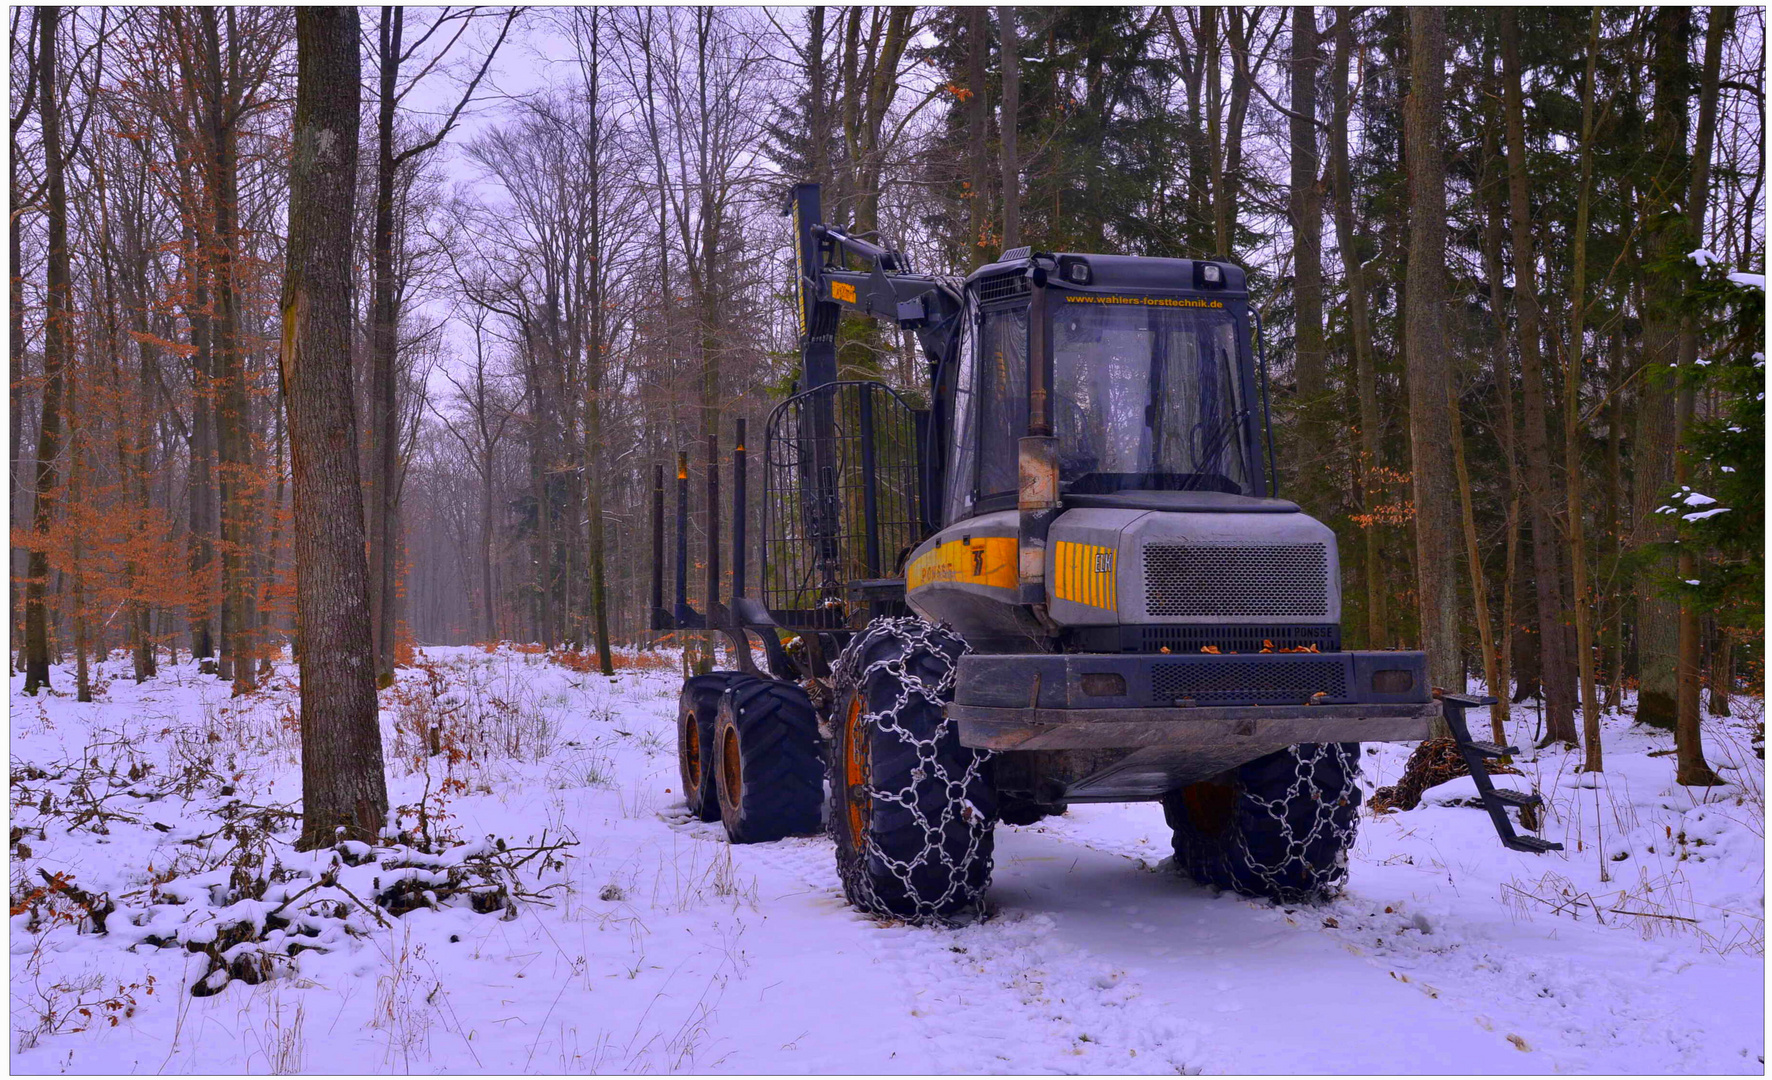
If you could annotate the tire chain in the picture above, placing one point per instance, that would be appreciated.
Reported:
(917, 637)
(1324, 797)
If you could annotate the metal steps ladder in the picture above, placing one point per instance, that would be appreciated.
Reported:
(1476, 756)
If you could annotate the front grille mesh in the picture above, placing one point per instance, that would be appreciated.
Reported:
(1239, 638)
(1288, 580)
(1242, 681)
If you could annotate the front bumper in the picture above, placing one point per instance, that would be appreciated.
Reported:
(1221, 703)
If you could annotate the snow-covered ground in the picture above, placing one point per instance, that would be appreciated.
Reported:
(1638, 949)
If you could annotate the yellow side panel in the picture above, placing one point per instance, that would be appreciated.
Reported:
(987, 560)
(1084, 574)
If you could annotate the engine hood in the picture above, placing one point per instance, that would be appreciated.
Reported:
(1200, 558)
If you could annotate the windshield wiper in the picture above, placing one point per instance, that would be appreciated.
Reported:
(1210, 449)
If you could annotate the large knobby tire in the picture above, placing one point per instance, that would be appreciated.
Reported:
(1279, 827)
(696, 705)
(769, 781)
(912, 810)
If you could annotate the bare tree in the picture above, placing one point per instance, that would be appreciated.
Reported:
(1430, 376)
(978, 114)
(1559, 712)
(1306, 212)
(24, 102)
(343, 784)
(1009, 46)
(1584, 638)
(1688, 738)
(1348, 244)
(392, 52)
(56, 352)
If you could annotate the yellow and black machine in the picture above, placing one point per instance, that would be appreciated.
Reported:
(1060, 575)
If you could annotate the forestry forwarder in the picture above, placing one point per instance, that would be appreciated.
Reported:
(1061, 582)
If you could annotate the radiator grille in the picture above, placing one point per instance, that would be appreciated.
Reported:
(1242, 681)
(1238, 638)
(1289, 580)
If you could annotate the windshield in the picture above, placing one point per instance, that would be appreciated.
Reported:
(1148, 397)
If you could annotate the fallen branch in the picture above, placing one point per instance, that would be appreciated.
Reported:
(97, 908)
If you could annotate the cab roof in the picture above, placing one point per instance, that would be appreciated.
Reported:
(1108, 273)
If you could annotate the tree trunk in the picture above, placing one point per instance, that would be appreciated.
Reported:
(1493, 240)
(17, 340)
(384, 417)
(978, 45)
(238, 489)
(1360, 329)
(1688, 738)
(1658, 618)
(706, 290)
(1009, 46)
(268, 556)
(1229, 170)
(137, 288)
(486, 548)
(343, 784)
(1722, 672)
(1479, 583)
(1212, 51)
(1613, 531)
(1540, 491)
(1193, 72)
(76, 572)
(57, 344)
(1429, 366)
(16, 362)
(200, 478)
(1310, 360)
(1572, 436)
(594, 365)
(1510, 575)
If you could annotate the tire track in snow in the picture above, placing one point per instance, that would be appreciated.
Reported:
(1001, 994)
(1554, 997)
(1551, 997)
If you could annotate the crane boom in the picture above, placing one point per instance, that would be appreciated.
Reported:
(885, 289)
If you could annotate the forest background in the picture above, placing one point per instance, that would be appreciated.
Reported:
(1507, 261)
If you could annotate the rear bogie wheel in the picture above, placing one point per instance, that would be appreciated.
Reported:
(1278, 827)
(912, 810)
(768, 780)
(696, 705)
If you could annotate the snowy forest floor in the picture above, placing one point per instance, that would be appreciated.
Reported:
(1638, 949)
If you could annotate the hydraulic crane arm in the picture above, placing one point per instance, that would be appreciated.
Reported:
(927, 305)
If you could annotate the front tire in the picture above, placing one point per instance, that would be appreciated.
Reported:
(768, 779)
(912, 810)
(1278, 827)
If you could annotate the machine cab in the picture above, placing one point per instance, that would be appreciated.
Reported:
(1152, 380)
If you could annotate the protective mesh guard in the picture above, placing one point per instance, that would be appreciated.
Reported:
(1288, 580)
(841, 501)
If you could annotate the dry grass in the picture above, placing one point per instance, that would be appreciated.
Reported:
(665, 655)
(1657, 905)
(403, 1005)
(470, 712)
